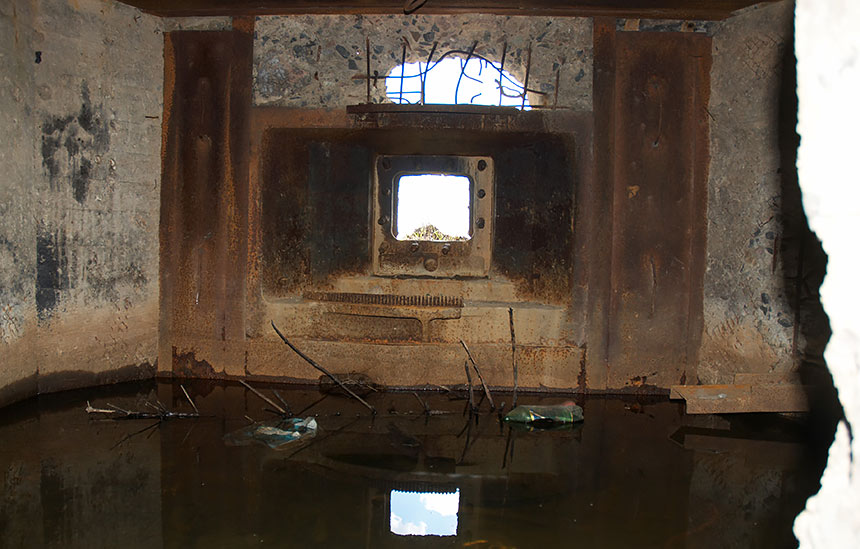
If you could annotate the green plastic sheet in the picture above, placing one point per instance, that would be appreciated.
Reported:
(547, 415)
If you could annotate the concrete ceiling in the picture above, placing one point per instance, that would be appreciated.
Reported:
(675, 9)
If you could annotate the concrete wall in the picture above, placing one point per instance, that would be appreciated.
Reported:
(80, 197)
(753, 236)
(81, 110)
(17, 155)
(319, 61)
(749, 320)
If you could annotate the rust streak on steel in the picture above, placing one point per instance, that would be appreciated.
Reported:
(206, 165)
(661, 142)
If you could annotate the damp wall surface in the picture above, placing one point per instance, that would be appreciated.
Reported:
(83, 190)
(81, 106)
(684, 254)
(755, 223)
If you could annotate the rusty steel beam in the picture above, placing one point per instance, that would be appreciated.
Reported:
(596, 220)
(659, 178)
(674, 9)
(204, 191)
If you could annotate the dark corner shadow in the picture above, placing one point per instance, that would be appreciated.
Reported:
(804, 264)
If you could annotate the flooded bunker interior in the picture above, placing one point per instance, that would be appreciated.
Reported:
(191, 184)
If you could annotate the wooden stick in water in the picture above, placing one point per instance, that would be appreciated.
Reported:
(480, 377)
(424, 404)
(189, 399)
(321, 369)
(469, 379)
(513, 354)
(284, 402)
(265, 398)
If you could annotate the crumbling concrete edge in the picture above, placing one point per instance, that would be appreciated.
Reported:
(828, 76)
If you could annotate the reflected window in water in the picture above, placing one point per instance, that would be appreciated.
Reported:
(424, 513)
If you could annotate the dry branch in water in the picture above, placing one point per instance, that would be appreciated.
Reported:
(321, 369)
(472, 407)
(513, 354)
(266, 399)
(160, 412)
(480, 377)
(424, 404)
(191, 402)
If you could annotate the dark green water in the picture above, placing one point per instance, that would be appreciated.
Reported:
(636, 473)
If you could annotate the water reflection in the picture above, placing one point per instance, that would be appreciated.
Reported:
(424, 513)
(636, 473)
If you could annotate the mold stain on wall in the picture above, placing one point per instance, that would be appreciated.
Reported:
(317, 64)
(80, 207)
(72, 143)
(96, 203)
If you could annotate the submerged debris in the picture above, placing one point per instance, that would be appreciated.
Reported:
(546, 416)
(275, 434)
(360, 384)
(159, 411)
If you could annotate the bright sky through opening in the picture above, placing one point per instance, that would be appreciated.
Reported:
(432, 199)
(443, 200)
(478, 86)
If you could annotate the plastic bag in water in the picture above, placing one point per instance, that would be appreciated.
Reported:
(546, 415)
(274, 434)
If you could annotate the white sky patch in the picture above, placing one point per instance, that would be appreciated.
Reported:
(432, 199)
(445, 504)
(423, 513)
(407, 528)
(479, 84)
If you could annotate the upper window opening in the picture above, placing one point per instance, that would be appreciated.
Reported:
(456, 81)
(434, 207)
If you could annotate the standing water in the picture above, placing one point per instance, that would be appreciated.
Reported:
(636, 473)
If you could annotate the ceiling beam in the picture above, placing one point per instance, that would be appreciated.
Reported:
(645, 9)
